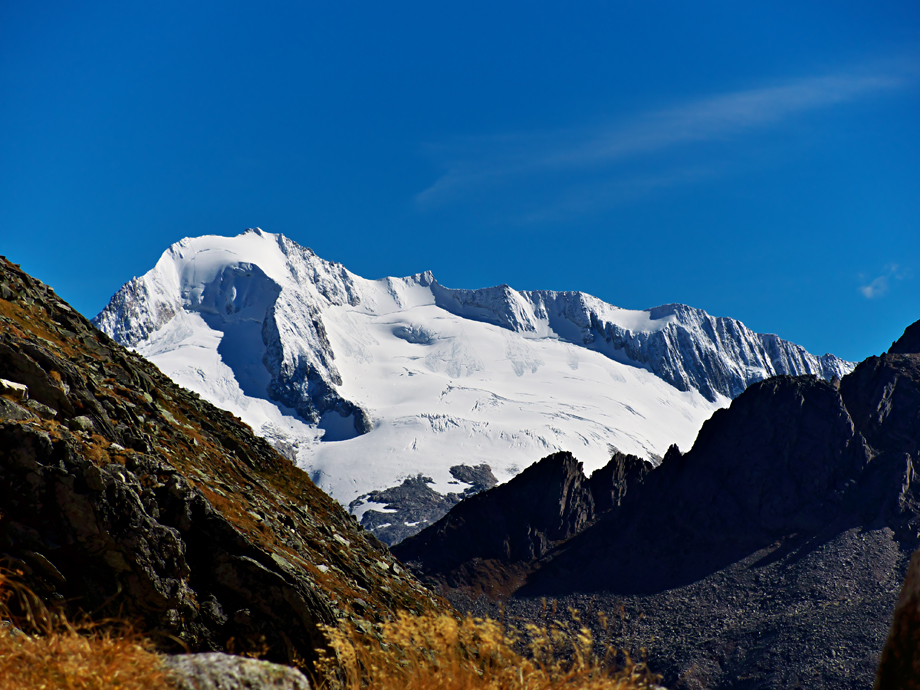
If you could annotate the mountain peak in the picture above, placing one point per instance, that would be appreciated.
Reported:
(368, 382)
(909, 342)
(425, 279)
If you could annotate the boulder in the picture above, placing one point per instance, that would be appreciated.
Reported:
(215, 671)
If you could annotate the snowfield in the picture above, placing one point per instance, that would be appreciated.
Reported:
(442, 390)
(366, 382)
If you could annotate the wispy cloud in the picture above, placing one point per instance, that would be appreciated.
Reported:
(480, 164)
(613, 190)
(876, 288)
(880, 285)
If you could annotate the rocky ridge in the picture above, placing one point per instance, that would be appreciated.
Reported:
(123, 494)
(486, 543)
(768, 555)
(688, 348)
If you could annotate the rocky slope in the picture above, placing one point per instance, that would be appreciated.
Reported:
(769, 555)
(369, 382)
(123, 494)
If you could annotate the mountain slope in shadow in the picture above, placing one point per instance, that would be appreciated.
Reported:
(790, 519)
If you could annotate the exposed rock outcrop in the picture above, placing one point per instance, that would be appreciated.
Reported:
(623, 474)
(413, 505)
(483, 539)
(123, 494)
(908, 343)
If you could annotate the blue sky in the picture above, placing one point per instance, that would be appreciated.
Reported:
(759, 160)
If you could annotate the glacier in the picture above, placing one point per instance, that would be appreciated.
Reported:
(366, 383)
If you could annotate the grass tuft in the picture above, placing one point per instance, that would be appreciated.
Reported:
(40, 649)
(440, 652)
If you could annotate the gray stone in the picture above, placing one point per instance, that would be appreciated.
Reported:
(81, 423)
(216, 671)
(41, 410)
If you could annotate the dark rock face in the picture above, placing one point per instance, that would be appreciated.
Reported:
(777, 461)
(909, 343)
(479, 478)
(517, 522)
(140, 535)
(610, 484)
(766, 556)
(122, 494)
(883, 396)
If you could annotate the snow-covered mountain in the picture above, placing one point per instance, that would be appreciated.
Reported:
(367, 382)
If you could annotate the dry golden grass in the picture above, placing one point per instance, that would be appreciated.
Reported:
(41, 650)
(439, 652)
